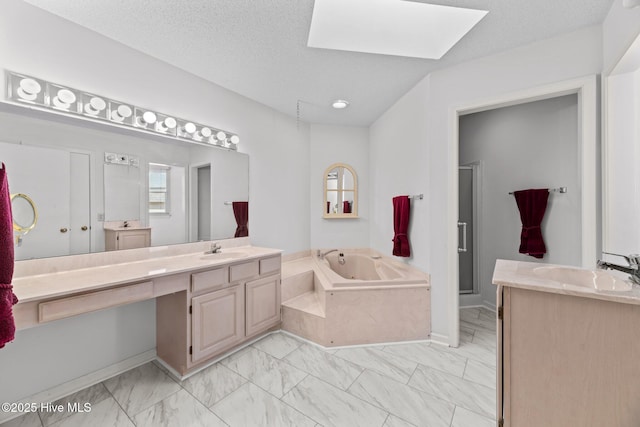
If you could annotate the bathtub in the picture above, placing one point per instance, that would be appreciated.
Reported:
(368, 299)
(366, 267)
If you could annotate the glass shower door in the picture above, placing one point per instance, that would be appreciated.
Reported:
(466, 277)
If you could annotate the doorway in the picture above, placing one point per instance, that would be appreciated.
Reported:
(203, 201)
(586, 89)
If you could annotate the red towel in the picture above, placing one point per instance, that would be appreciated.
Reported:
(7, 297)
(241, 212)
(346, 207)
(532, 205)
(401, 211)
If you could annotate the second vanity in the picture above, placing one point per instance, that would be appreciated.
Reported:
(568, 346)
(206, 303)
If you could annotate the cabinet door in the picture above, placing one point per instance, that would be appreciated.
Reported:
(134, 239)
(263, 304)
(217, 322)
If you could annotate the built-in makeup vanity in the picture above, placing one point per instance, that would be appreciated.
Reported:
(207, 303)
(568, 346)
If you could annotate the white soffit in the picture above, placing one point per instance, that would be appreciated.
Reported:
(390, 27)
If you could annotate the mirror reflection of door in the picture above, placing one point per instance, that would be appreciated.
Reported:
(203, 210)
(45, 177)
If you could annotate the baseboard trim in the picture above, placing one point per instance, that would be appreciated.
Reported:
(440, 339)
(80, 383)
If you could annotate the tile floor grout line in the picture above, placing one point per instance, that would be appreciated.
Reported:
(118, 403)
(293, 407)
(411, 387)
(375, 370)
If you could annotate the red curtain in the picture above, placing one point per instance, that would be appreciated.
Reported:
(346, 207)
(532, 205)
(7, 297)
(401, 212)
(241, 212)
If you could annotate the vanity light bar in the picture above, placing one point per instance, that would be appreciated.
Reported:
(25, 89)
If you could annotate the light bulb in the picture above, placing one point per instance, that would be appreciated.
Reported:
(94, 106)
(121, 113)
(221, 136)
(149, 117)
(29, 89)
(189, 128)
(235, 139)
(64, 99)
(168, 123)
(205, 132)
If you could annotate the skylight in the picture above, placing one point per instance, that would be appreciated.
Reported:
(390, 27)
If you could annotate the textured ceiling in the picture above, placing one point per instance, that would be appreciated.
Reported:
(258, 48)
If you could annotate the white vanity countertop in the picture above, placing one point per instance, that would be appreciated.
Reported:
(520, 274)
(57, 284)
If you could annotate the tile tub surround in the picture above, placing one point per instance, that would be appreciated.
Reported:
(380, 391)
(330, 310)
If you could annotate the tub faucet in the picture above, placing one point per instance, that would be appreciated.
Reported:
(215, 248)
(633, 270)
(322, 255)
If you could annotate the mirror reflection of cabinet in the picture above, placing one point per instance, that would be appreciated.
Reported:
(340, 192)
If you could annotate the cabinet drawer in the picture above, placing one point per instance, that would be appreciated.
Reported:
(243, 271)
(72, 306)
(209, 280)
(270, 265)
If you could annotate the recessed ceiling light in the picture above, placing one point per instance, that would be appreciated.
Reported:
(390, 27)
(339, 104)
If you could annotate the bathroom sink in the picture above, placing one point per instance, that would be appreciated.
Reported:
(599, 279)
(224, 255)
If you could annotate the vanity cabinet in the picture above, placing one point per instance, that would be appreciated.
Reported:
(566, 360)
(262, 304)
(217, 321)
(222, 308)
(126, 238)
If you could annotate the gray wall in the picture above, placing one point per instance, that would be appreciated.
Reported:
(532, 145)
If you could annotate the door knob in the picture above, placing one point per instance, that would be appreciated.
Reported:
(84, 228)
(63, 230)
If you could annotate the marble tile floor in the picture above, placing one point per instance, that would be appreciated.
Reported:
(282, 381)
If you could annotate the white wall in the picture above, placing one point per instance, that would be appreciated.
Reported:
(338, 144)
(422, 143)
(66, 53)
(49, 355)
(171, 229)
(398, 166)
(532, 145)
(619, 29)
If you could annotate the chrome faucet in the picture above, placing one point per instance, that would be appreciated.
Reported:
(633, 270)
(322, 255)
(215, 248)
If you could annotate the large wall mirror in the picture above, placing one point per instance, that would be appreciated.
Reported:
(621, 192)
(340, 192)
(85, 178)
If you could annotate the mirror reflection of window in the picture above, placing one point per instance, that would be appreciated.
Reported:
(159, 189)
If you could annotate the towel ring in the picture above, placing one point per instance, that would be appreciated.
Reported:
(25, 215)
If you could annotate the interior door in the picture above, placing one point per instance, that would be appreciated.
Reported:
(43, 175)
(465, 243)
(80, 202)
